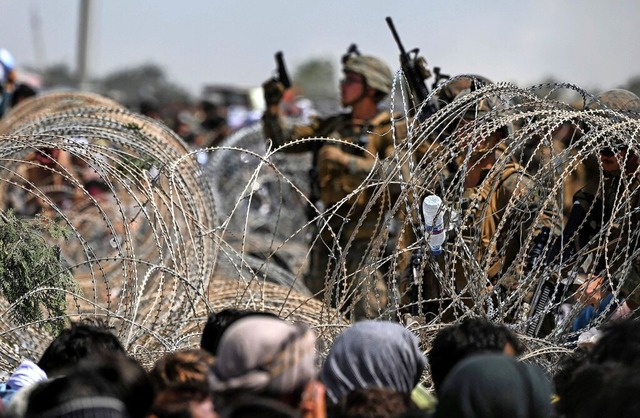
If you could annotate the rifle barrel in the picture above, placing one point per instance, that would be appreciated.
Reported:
(394, 32)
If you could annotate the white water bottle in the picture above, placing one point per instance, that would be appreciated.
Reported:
(434, 223)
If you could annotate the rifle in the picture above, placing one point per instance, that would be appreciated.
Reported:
(281, 69)
(546, 288)
(415, 70)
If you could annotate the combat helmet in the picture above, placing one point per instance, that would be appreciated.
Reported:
(451, 88)
(617, 99)
(622, 101)
(376, 72)
(481, 107)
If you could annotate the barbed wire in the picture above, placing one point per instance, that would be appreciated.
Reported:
(159, 241)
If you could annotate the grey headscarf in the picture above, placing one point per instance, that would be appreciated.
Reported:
(264, 355)
(373, 354)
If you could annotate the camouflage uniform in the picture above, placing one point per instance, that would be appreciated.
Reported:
(614, 204)
(497, 212)
(353, 223)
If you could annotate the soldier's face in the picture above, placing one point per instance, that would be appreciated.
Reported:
(610, 162)
(479, 142)
(613, 160)
(351, 88)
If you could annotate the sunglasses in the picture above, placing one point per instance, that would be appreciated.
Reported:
(352, 79)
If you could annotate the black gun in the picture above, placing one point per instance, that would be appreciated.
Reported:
(281, 68)
(416, 72)
(545, 288)
(549, 290)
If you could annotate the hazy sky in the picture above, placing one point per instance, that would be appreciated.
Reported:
(591, 43)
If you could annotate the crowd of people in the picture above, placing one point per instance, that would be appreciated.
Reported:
(254, 364)
(264, 366)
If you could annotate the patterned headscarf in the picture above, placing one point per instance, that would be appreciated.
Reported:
(264, 355)
(373, 354)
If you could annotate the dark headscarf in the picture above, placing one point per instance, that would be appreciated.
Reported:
(495, 386)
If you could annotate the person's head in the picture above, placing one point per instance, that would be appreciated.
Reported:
(364, 77)
(372, 354)
(472, 336)
(601, 390)
(182, 367)
(566, 368)
(126, 377)
(451, 88)
(150, 107)
(619, 342)
(186, 401)
(375, 403)
(110, 383)
(81, 340)
(264, 356)
(615, 99)
(218, 322)
(485, 135)
(22, 92)
(614, 154)
(494, 386)
(74, 395)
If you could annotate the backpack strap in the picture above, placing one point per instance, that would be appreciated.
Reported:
(489, 222)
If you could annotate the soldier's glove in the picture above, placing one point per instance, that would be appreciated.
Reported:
(273, 91)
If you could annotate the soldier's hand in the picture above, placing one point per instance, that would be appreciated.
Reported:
(273, 91)
(333, 153)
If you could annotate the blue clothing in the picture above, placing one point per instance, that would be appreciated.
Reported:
(27, 374)
(589, 314)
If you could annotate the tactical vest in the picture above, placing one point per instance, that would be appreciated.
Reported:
(336, 181)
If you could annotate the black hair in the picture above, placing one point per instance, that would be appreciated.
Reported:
(566, 368)
(175, 402)
(373, 402)
(107, 382)
(217, 324)
(472, 336)
(601, 390)
(21, 92)
(620, 343)
(149, 107)
(80, 341)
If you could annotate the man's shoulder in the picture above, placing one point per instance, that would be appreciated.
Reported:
(514, 177)
(390, 125)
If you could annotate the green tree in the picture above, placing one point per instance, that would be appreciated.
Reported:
(32, 277)
(57, 76)
(143, 82)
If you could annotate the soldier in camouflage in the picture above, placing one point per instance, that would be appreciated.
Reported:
(500, 205)
(605, 215)
(341, 169)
